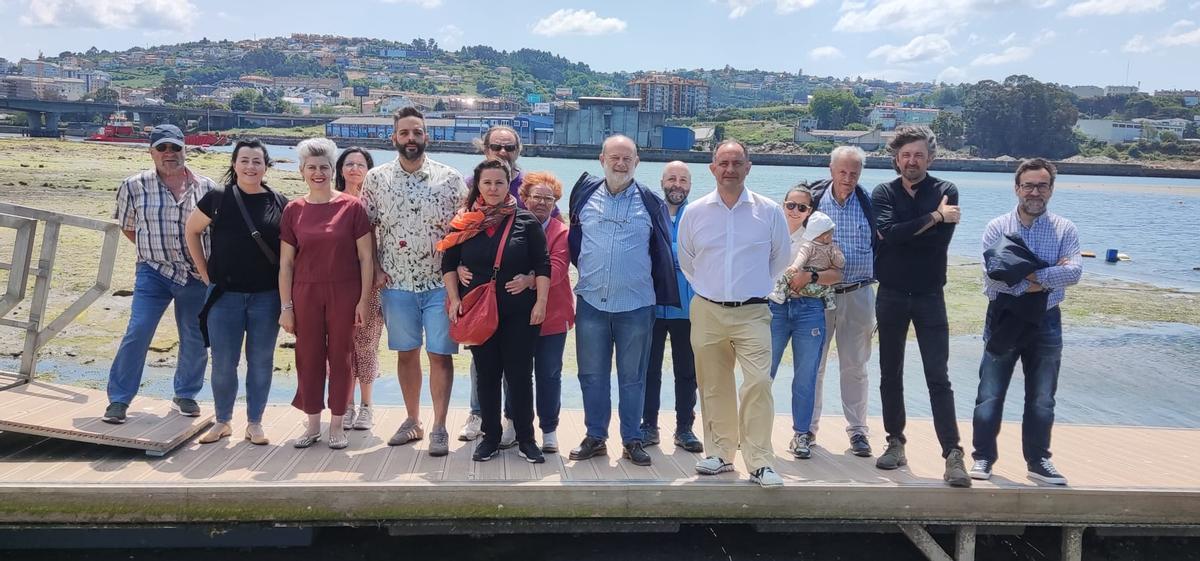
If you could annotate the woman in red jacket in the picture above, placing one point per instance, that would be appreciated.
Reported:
(540, 192)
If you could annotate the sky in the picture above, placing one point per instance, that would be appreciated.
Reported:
(1151, 43)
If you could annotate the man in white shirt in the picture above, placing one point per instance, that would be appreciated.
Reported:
(732, 244)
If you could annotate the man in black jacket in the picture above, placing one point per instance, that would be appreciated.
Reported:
(915, 215)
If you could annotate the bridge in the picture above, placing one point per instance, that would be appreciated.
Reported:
(44, 115)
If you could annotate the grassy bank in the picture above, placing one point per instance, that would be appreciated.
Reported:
(81, 178)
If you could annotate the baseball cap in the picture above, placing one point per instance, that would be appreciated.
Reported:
(166, 133)
(818, 223)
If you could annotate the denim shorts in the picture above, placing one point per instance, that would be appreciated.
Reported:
(407, 313)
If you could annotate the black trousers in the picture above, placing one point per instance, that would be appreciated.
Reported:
(684, 363)
(894, 311)
(507, 357)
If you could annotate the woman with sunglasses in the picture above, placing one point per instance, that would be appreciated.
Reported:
(243, 281)
(352, 167)
(802, 321)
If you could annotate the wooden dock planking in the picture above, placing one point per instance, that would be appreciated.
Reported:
(67, 412)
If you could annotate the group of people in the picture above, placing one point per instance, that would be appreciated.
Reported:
(731, 278)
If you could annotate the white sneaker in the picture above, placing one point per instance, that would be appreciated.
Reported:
(766, 477)
(472, 429)
(348, 418)
(550, 442)
(364, 420)
(508, 438)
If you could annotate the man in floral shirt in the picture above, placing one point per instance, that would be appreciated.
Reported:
(410, 201)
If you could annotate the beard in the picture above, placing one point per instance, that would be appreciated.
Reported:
(410, 151)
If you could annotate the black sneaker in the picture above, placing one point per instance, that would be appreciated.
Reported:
(115, 414)
(981, 469)
(636, 454)
(688, 441)
(186, 407)
(859, 445)
(590, 447)
(1044, 471)
(531, 452)
(485, 450)
(650, 436)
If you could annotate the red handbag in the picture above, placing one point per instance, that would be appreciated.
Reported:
(477, 313)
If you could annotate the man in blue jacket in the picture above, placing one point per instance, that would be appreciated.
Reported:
(620, 244)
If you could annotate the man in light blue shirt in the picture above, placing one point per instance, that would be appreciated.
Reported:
(1038, 344)
(620, 243)
(673, 320)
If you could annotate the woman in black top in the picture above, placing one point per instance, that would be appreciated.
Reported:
(243, 283)
(508, 354)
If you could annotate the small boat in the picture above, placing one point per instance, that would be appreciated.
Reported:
(118, 129)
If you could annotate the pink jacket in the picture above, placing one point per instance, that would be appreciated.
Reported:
(560, 306)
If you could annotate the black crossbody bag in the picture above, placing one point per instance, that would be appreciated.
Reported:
(218, 290)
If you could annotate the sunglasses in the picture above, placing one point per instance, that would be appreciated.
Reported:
(168, 146)
(796, 206)
(505, 147)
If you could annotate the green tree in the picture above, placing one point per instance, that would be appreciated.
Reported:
(949, 130)
(1020, 117)
(835, 109)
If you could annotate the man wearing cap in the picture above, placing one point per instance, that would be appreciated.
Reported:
(152, 208)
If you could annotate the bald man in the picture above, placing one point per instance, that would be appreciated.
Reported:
(673, 320)
(620, 241)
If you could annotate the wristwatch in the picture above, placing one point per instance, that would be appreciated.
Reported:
(815, 277)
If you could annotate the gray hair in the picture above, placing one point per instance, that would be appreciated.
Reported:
(317, 148)
(848, 152)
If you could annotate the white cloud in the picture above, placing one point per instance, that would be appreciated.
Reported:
(1113, 7)
(1009, 39)
(1137, 44)
(427, 4)
(450, 37)
(1182, 33)
(932, 47)
(1009, 55)
(952, 75)
(577, 22)
(111, 14)
(825, 53)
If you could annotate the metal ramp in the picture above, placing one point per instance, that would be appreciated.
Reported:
(59, 411)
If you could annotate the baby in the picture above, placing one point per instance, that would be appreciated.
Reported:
(817, 253)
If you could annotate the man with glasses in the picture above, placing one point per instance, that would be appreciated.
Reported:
(1024, 322)
(620, 242)
(852, 322)
(673, 320)
(915, 215)
(152, 208)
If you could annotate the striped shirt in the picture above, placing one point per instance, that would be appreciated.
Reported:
(1054, 239)
(146, 207)
(852, 234)
(614, 254)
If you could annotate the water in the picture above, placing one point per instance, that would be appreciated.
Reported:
(1150, 219)
(1137, 376)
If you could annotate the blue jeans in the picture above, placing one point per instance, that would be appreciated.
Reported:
(1040, 361)
(801, 321)
(256, 316)
(597, 333)
(547, 382)
(152, 293)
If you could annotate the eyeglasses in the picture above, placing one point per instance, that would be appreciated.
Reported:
(541, 198)
(168, 146)
(801, 207)
(1028, 188)
(505, 147)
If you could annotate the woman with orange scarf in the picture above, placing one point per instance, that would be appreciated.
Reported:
(473, 242)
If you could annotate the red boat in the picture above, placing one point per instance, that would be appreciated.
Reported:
(121, 130)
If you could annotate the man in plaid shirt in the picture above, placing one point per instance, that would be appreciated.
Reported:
(1055, 240)
(152, 207)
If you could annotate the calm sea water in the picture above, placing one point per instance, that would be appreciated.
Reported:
(1153, 220)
